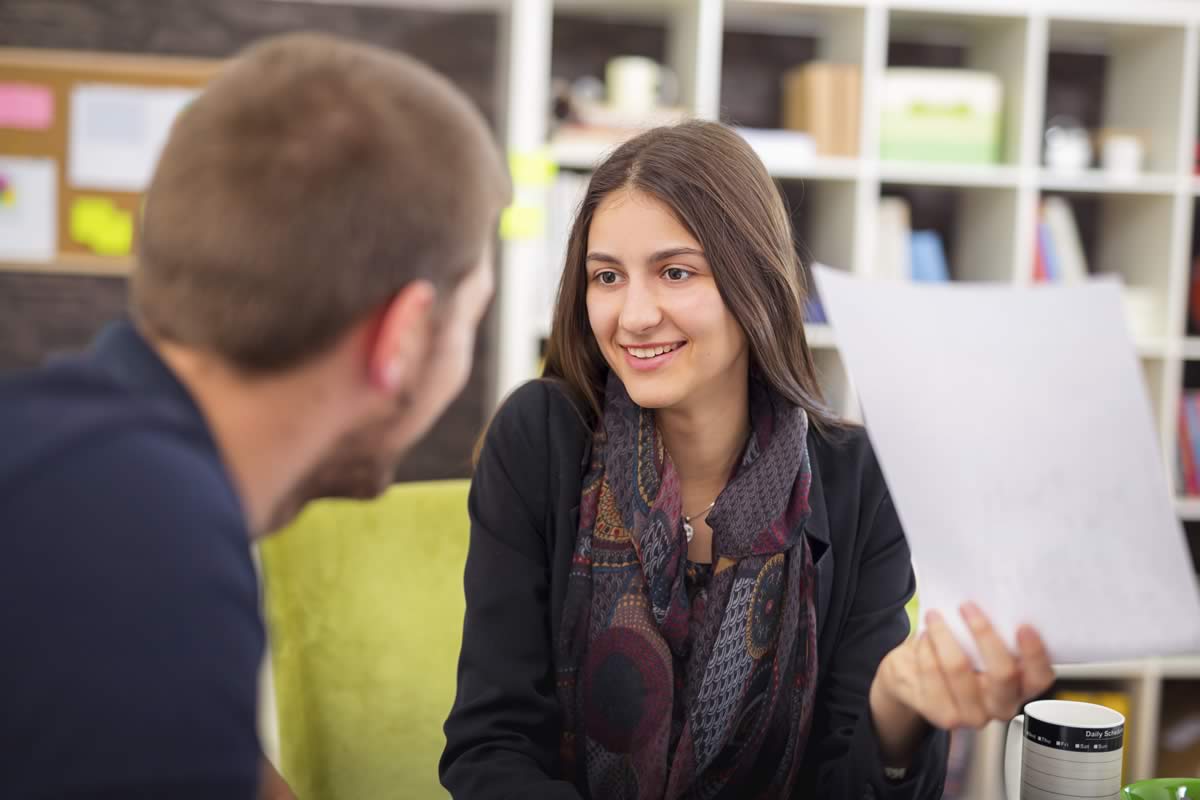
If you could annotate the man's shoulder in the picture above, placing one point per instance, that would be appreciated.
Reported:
(127, 542)
(76, 429)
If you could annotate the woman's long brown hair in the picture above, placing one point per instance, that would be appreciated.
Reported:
(720, 191)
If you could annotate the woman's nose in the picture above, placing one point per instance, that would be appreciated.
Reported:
(640, 311)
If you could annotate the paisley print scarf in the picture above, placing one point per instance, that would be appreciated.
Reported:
(632, 657)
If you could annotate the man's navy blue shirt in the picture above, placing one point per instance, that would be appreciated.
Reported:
(130, 633)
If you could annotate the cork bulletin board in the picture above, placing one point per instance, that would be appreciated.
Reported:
(78, 136)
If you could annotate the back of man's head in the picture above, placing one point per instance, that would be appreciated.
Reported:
(311, 181)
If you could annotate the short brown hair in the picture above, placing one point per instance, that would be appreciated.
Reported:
(311, 181)
(720, 191)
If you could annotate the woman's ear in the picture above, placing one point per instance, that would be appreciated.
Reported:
(403, 337)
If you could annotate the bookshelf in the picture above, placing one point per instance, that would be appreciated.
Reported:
(1143, 64)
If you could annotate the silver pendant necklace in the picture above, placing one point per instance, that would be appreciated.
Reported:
(688, 530)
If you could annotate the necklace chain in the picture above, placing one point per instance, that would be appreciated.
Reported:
(690, 517)
(688, 531)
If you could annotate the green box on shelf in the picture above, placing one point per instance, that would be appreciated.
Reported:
(946, 115)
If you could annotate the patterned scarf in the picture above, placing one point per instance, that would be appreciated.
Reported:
(739, 673)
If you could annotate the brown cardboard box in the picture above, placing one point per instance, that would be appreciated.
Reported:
(822, 99)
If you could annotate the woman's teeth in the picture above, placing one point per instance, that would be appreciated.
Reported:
(650, 352)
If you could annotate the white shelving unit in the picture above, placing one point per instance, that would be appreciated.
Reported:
(1144, 225)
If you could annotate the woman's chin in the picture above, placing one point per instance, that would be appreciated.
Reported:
(652, 392)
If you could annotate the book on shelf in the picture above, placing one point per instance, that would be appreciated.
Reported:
(814, 311)
(893, 259)
(928, 257)
(1194, 296)
(1189, 442)
(902, 253)
(1059, 256)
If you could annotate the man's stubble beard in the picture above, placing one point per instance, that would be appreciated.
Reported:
(356, 467)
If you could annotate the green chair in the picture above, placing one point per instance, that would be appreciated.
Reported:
(364, 604)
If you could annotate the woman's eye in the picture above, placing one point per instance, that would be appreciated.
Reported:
(607, 277)
(676, 274)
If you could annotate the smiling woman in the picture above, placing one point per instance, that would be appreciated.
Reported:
(685, 576)
(657, 315)
(724, 224)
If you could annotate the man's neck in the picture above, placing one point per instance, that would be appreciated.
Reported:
(269, 430)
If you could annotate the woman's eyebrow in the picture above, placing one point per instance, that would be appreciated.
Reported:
(655, 257)
(603, 257)
(674, 252)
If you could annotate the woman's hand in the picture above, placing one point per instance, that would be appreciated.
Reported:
(929, 680)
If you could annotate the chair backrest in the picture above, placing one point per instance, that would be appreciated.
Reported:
(364, 603)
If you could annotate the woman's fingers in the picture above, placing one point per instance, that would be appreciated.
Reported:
(1037, 673)
(958, 673)
(936, 705)
(1000, 682)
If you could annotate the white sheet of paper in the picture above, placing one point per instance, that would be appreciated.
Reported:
(118, 132)
(28, 209)
(1014, 430)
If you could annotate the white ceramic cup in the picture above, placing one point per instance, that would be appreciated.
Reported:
(636, 84)
(1122, 155)
(1060, 748)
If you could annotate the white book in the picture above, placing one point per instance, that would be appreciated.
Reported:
(1064, 238)
(893, 256)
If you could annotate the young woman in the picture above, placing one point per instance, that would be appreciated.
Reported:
(686, 577)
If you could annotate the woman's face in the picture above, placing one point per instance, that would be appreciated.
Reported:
(654, 306)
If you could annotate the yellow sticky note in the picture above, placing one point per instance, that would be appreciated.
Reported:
(532, 168)
(522, 222)
(115, 238)
(98, 224)
(87, 214)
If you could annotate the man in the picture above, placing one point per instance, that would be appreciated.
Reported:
(314, 262)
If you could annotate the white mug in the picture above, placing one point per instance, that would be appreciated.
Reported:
(1121, 155)
(637, 84)
(1060, 748)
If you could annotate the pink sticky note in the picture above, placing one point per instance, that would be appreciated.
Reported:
(26, 106)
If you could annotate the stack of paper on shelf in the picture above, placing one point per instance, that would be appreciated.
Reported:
(821, 98)
(780, 149)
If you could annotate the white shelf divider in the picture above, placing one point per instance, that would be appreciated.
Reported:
(990, 176)
(1098, 181)
(524, 69)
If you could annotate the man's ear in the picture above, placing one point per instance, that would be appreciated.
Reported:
(402, 338)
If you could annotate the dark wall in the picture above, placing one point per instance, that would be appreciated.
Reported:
(43, 314)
